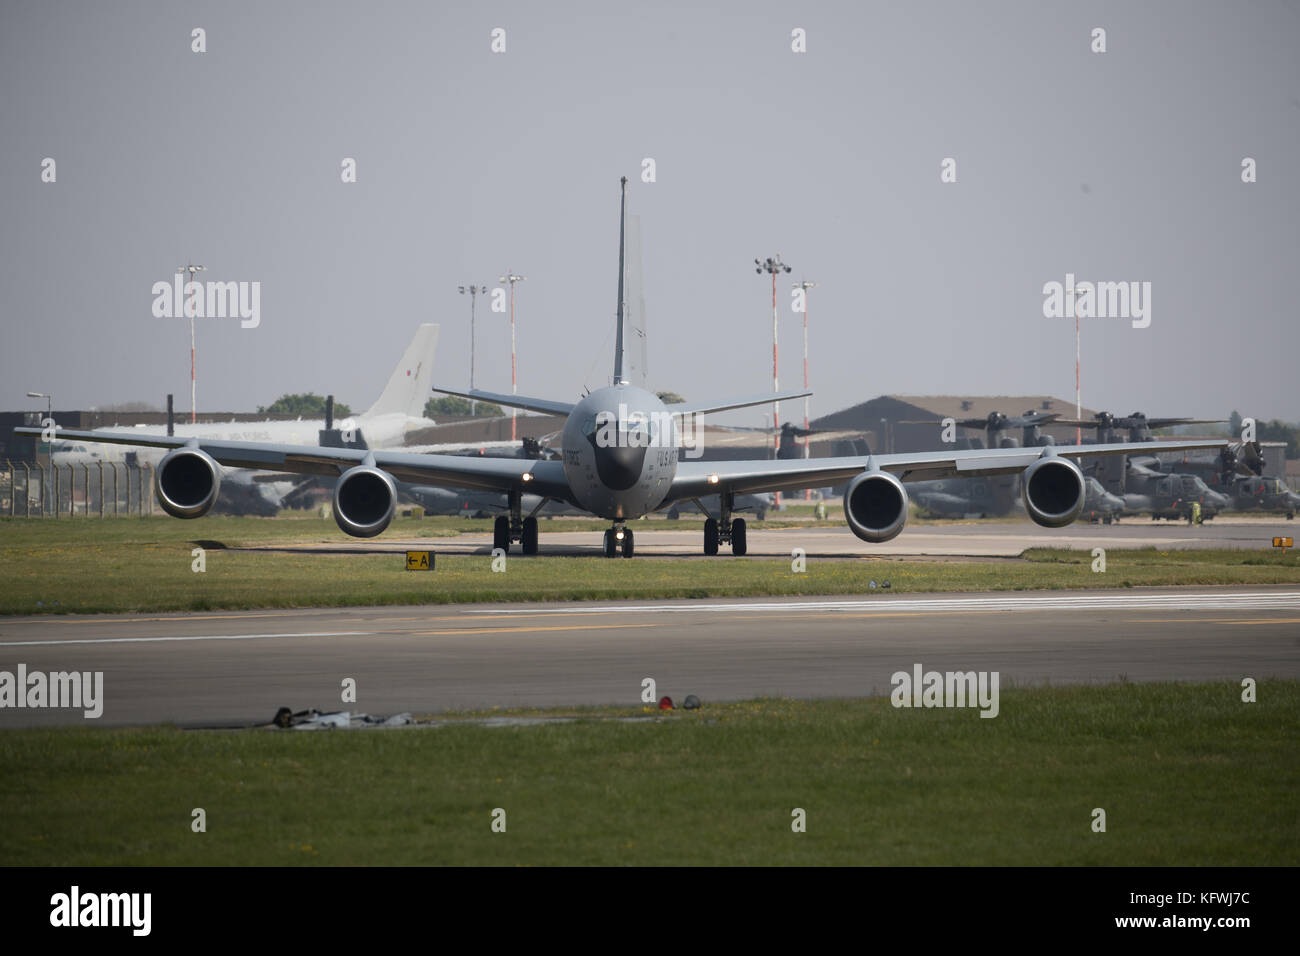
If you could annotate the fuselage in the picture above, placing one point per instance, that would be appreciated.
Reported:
(620, 452)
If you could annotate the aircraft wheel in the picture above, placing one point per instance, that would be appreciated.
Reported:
(673, 514)
(627, 544)
(711, 536)
(738, 543)
(530, 536)
(501, 534)
(762, 514)
(611, 546)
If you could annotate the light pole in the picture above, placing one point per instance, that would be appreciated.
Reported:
(188, 270)
(774, 266)
(473, 291)
(514, 381)
(49, 445)
(805, 285)
(1078, 403)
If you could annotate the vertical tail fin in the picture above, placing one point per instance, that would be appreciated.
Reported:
(622, 223)
(634, 317)
(410, 384)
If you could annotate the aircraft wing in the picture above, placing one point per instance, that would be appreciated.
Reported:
(695, 478)
(446, 471)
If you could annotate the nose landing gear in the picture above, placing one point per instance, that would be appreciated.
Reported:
(618, 538)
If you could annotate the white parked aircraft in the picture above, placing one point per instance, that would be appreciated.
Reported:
(385, 424)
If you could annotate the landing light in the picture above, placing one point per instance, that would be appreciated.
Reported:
(713, 479)
(618, 535)
(527, 476)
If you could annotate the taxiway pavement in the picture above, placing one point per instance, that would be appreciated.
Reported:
(239, 667)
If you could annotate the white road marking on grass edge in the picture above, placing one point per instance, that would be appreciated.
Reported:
(200, 637)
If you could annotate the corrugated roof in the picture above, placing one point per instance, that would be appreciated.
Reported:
(980, 406)
(867, 415)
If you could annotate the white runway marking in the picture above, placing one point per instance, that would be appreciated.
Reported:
(197, 637)
(1251, 601)
(1017, 602)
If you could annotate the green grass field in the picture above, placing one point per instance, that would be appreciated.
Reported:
(1187, 775)
(136, 565)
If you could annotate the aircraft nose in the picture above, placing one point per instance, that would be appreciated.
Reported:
(619, 468)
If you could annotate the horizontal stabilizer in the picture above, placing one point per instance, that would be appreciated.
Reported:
(544, 405)
(700, 408)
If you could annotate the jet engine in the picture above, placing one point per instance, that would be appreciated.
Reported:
(187, 483)
(875, 504)
(1054, 491)
(365, 500)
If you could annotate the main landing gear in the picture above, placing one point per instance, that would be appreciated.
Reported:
(618, 538)
(724, 528)
(514, 527)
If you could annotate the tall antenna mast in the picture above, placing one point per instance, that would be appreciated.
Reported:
(618, 346)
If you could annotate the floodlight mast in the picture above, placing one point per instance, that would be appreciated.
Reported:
(189, 269)
(1078, 401)
(805, 285)
(774, 266)
(514, 381)
(473, 291)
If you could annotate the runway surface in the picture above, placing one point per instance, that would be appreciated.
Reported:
(239, 667)
(662, 538)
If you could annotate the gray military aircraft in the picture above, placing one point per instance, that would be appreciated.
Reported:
(1237, 473)
(960, 498)
(1263, 494)
(1138, 426)
(995, 424)
(998, 496)
(1235, 460)
(1169, 496)
(978, 498)
(1101, 506)
(621, 460)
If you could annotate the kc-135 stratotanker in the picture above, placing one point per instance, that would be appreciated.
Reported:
(621, 460)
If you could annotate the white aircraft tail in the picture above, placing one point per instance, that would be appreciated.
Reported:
(409, 387)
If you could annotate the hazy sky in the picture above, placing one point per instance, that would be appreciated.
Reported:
(1116, 166)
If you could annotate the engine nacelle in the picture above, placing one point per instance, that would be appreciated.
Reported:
(187, 482)
(1054, 491)
(875, 504)
(365, 500)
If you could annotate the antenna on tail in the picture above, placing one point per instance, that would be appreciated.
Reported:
(618, 345)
